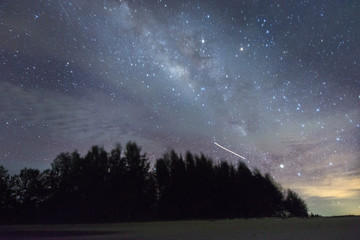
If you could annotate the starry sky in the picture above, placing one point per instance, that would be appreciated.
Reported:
(277, 82)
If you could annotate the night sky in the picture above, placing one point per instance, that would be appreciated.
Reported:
(277, 82)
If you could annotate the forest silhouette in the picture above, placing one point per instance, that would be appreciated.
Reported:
(120, 186)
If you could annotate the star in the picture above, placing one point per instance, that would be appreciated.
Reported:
(260, 77)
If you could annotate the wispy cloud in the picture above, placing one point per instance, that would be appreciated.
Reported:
(338, 186)
(335, 194)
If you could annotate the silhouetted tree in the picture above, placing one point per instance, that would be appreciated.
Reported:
(162, 179)
(223, 199)
(244, 191)
(274, 196)
(5, 191)
(102, 186)
(91, 182)
(28, 188)
(204, 185)
(190, 186)
(136, 176)
(66, 202)
(116, 181)
(177, 185)
(295, 205)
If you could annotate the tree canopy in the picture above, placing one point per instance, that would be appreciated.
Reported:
(121, 186)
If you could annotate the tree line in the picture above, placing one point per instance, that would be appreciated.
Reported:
(121, 186)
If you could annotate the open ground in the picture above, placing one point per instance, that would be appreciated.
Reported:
(265, 228)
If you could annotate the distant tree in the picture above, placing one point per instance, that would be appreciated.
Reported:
(136, 176)
(274, 196)
(190, 186)
(223, 199)
(295, 205)
(162, 177)
(259, 199)
(66, 202)
(204, 185)
(150, 197)
(28, 188)
(312, 215)
(102, 186)
(116, 181)
(116, 165)
(177, 185)
(92, 173)
(162, 174)
(62, 171)
(5, 191)
(242, 191)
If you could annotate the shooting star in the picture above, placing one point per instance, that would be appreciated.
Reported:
(66, 13)
(229, 150)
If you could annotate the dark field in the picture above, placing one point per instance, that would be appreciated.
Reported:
(295, 228)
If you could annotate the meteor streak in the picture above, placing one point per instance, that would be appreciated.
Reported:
(228, 150)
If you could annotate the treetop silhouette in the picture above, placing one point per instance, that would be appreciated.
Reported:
(120, 186)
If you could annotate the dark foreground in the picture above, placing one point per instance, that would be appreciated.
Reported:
(296, 228)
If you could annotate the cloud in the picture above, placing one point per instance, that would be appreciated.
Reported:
(73, 120)
(337, 186)
(335, 194)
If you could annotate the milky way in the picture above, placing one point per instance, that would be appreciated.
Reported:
(277, 82)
